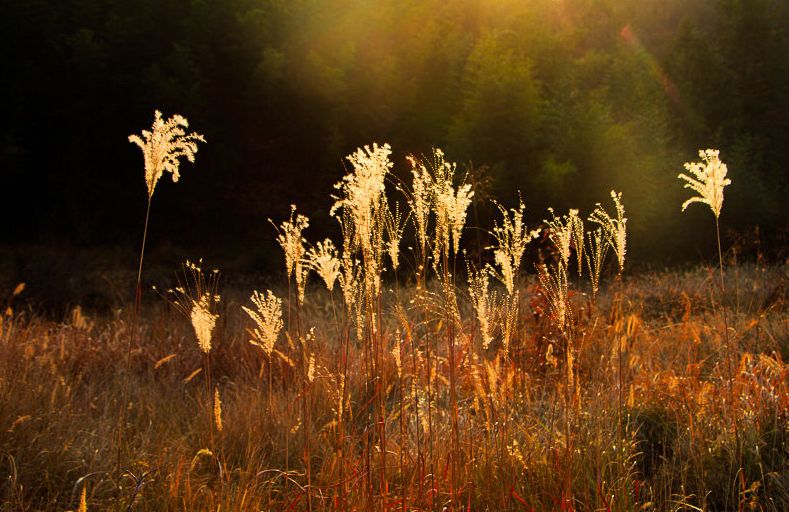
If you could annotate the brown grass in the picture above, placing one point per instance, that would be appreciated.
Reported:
(60, 383)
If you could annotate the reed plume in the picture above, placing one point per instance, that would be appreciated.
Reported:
(292, 242)
(164, 146)
(511, 238)
(323, 260)
(267, 316)
(553, 280)
(420, 200)
(708, 180)
(449, 205)
(595, 257)
(196, 298)
(362, 193)
(394, 224)
(203, 321)
(560, 231)
(218, 410)
(614, 229)
(483, 301)
(577, 228)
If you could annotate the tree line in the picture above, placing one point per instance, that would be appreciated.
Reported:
(560, 99)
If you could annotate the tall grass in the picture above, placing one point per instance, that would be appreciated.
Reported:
(496, 390)
(162, 147)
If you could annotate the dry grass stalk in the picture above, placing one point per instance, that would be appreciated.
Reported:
(483, 301)
(218, 410)
(614, 229)
(292, 242)
(577, 228)
(511, 238)
(595, 257)
(560, 231)
(708, 181)
(163, 148)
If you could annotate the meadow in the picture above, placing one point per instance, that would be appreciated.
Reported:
(392, 371)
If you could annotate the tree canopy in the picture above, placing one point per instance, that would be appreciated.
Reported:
(563, 100)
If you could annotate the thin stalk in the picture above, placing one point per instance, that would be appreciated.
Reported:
(288, 427)
(415, 397)
(138, 291)
(381, 387)
(207, 366)
(730, 370)
(270, 378)
(306, 417)
(135, 314)
(452, 390)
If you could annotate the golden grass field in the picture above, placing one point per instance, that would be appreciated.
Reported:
(378, 377)
(62, 382)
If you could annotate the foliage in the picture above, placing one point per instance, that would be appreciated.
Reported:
(552, 96)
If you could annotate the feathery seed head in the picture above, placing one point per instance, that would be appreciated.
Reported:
(362, 191)
(203, 321)
(394, 225)
(449, 205)
(196, 297)
(291, 240)
(560, 231)
(484, 303)
(217, 410)
(511, 238)
(553, 281)
(577, 228)
(614, 229)
(420, 199)
(708, 180)
(323, 260)
(596, 253)
(267, 316)
(164, 146)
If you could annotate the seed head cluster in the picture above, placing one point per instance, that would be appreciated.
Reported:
(267, 316)
(322, 258)
(292, 242)
(164, 146)
(614, 228)
(203, 321)
(708, 179)
(511, 237)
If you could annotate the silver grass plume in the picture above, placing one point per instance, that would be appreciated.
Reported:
(708, 180)
(196, 298)
(484, 303)
(553, 281)
(292, 242)
(267, 316)
(614, 229)
(577, 228)
(323, 260)
(595, 256)
(560, 231)
(511, 238)
(164, 146)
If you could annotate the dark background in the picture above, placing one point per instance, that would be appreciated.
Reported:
(561, 99)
